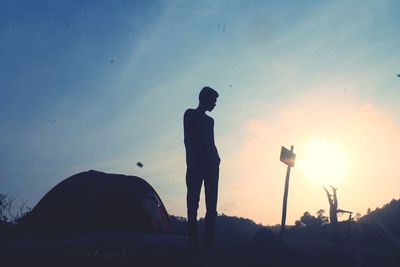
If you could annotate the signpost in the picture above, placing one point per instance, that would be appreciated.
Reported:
(287, 157)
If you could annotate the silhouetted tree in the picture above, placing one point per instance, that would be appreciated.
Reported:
(310, 221)
(333, 205)
(3, 207)
(321, 216)
(231, 227)
(8, 211)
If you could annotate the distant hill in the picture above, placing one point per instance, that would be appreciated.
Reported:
(231, 227)
(387, 218)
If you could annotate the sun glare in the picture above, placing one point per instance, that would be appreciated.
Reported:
(323, 161)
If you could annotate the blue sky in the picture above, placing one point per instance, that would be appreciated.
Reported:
(103, 85)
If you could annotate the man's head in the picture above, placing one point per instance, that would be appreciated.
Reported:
(208, 98)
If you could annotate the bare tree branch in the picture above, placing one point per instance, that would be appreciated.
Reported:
(8, 210)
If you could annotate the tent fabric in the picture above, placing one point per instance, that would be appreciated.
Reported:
(99, 201)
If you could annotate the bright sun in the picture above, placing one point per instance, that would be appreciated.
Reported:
(323, 161)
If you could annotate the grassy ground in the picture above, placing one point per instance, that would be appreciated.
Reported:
(127, 249)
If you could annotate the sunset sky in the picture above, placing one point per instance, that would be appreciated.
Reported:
(104, 84)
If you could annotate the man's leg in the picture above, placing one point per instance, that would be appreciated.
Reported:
(193, 185)
(211, 192)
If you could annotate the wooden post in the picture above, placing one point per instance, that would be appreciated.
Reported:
(285, 197)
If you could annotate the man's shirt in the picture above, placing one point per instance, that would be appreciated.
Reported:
(199, 139)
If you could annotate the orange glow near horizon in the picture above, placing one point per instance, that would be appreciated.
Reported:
(354, 151)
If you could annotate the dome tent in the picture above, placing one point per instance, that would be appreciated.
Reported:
(97, 201)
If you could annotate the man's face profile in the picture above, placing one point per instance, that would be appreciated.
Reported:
(210, 103)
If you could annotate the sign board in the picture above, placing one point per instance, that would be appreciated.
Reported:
(288, 157)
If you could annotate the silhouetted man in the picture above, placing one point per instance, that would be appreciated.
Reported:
(202, 162)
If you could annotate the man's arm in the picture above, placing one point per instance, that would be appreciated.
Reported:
(191, 139)
(186, 129)
(214, 151)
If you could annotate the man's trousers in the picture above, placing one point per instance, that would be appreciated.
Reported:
(195, 175)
